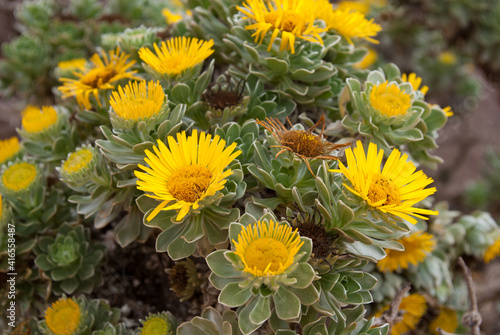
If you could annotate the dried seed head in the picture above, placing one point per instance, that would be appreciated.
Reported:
(303, 143)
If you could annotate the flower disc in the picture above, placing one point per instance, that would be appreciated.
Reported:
(19, 176)
(267, 249)
(63, 316)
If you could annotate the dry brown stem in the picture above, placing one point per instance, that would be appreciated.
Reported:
(391, 315)
(471, 318)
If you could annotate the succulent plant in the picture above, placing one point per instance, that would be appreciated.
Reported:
(70, 259)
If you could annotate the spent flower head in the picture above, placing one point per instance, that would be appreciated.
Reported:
(303, 143)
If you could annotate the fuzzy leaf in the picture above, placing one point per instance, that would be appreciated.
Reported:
(233, 296)
(179, 249)
(220, 265)
(262, 310)
(304, 273)
(247, 326)
(287, 304)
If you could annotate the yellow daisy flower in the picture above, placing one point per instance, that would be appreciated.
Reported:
(447, 320)
(415, 82)
(157, 324)
(348, 23)
(417, 247)
(170, 17)
(77, 161)
(492, 252)
(361, 7)
(447, 58)
(414, 307)
(389, 100)
(447, 110)
(370, 59)
(9, 148)
(19, 176)
(177, 55)
(105, 71)
(138, 101)
(289, 18)
(393, 190)
(36, 119)
(267, 249)
(72, 64)
(187, 172)
(63, 316)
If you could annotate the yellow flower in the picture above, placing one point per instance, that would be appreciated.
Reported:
(72, 64)
(170, 17)
(19, 176)
(390, 100)
(8, 148)
(447, 58)
(187, 172)
(36, 120)
(78, 160)
(370, 59)
(177, 55)
(417, 247)
(102, 75)
(156, 324)
(492, 252)
(63, 316)
(289, 18)
(415, 82)
(447, 320)
(447, 110)
(414, 307)
(348, 23)
(393, 190)
(362, 7)
(137, 101)
(267, 249)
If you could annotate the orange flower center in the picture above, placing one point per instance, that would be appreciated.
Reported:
(383, 192)
(189, 183)
(97, 77)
